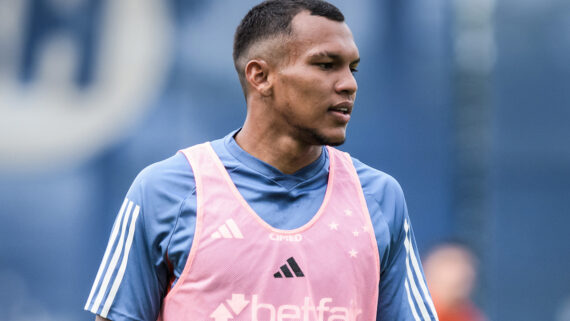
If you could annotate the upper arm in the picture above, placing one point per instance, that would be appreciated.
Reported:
(131, 278)
(134, 273)
(403, 293)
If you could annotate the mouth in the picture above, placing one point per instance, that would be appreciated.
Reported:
(344, 107)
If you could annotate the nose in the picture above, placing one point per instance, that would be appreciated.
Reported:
(346, 85)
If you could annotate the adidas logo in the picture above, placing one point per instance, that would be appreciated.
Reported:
(285, 269)
(228, 230)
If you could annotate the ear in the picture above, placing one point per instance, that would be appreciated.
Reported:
(257, 76)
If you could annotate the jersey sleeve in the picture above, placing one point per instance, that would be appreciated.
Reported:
(403, 293)
(134, 273)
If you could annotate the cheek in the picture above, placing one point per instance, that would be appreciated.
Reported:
(306, 91)
(304, 82)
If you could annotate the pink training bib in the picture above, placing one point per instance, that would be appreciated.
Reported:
(241, 268)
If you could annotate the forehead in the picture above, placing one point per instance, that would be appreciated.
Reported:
(313, 34)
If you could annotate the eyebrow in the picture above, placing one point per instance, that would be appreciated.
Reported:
(327, 54)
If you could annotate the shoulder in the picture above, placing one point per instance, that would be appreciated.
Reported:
(160, 190)
(385, 201)
(171, 177)
(377, 184)
(388, 212)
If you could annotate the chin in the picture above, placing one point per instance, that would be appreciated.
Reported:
(314, 136)
(335, 142)
(331, 140)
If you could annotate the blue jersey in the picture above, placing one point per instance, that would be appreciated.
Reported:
(153, 233)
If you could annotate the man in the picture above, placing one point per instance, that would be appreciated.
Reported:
(268, 223)
(451, 271)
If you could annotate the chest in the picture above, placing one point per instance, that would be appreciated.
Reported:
(241, 266)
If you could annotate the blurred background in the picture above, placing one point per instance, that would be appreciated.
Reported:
(465, 102)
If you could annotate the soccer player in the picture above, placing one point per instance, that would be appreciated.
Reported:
(270, 222)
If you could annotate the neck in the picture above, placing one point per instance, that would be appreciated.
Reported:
(278, 149)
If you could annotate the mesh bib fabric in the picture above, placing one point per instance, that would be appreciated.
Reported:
(241, 268)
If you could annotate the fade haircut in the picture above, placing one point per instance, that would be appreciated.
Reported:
(271, 19)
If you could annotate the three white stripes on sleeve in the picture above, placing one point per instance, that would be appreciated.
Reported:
(126, 222)
(410, 283)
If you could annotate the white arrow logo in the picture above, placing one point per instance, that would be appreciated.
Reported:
(237, 303)
(221, 313)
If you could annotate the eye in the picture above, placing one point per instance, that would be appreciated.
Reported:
(325, 65)
(353, 68)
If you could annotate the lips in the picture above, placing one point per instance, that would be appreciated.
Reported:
(344, 107)
(342, 111)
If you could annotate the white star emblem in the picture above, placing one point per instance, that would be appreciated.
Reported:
(348, 212)
(333, 226)
(353, 253)
(365, 228)
(355, 232)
